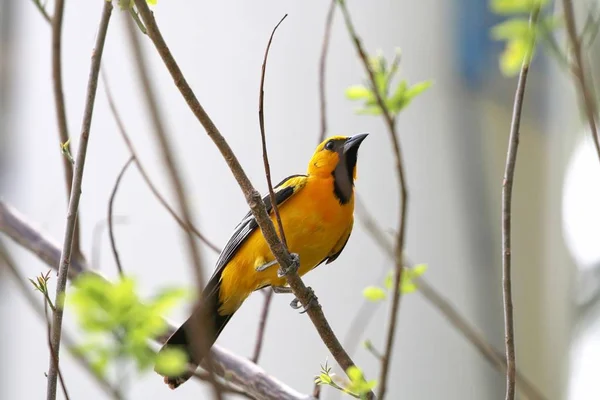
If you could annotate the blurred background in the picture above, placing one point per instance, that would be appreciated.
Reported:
(454, 140)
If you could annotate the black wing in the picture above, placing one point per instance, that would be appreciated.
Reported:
(245, 228)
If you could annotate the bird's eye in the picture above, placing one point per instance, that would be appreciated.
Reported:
(329, 145)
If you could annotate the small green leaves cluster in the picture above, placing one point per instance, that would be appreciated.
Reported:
(357, 386)
(518, 33)
(384, 75)
(119, 326)
(41, 285)
(407, 285)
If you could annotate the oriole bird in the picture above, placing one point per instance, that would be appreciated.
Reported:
(316, 212)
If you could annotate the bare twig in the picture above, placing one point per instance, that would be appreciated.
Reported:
(586, 91)
(263, 136)
(61, 113)
(67, 248)
(322, 65)
(262, 324)
(261, 119)
(203, 328)
(444, 306)
(507, 185)
(21, 284)
(253, 197)
(42, 10)
(53, 353)
(237, 370)
(115, 112)
(403, 194)
(111, 201)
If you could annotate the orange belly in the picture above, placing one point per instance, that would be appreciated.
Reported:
(313, 221)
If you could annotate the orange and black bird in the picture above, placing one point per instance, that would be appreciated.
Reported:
(317, 213)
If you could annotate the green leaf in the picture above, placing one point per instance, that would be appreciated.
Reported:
(506, 7)
(417, 89)
(517, 52)
(408, 276)
(325, 379)
(514, 28)
(358, 384)
(358, 92)
(374, 293)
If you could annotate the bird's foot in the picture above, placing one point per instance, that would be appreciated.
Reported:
(292, 268)
(312, 302)
(281, 289)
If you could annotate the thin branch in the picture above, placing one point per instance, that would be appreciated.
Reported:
(67, 248)
(53, 353)
(203, 328)
(115, 112)
(253, 197)
(237, 370)
(111, 234)
(263, 136)
(586, 91)
(322, 65)
(507, 185)
(61, 113)
(403, 194)
(262, 324)
(42, 11)
(21, 284)
(261, 119)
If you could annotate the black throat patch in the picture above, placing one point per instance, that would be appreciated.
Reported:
(343, 182)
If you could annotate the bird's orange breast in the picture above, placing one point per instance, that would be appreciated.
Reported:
(313, 220)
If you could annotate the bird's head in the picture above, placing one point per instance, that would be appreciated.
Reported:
(336, 156)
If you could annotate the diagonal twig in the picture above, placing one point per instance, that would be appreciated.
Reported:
(111, 201)
(38, 4)
(252, 196)
(202, 329)
(67, 248)
(115, 112)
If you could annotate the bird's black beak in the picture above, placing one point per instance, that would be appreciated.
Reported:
(352, 143)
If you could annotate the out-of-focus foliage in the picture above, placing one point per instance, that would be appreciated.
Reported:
(118, 326)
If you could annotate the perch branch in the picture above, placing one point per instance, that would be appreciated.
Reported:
(253, 197)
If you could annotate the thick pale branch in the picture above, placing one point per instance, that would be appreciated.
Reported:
(237, 370)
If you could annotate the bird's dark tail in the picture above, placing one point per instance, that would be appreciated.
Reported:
(198, 333)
